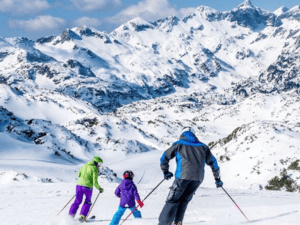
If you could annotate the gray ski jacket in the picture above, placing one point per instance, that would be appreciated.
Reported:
(191, 157)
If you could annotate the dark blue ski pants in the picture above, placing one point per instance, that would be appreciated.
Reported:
(181, 193)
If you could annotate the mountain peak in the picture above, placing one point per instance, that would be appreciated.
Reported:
(69, 34)
(139, 24)
(20, 41)
(295, 8)
(167, 23)
(85, 30)
(138, 20)
(246, 5)
(280, 11)
(206, 9)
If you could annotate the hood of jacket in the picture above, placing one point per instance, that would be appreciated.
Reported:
(91, 163)
(126, 184)
(189, 137)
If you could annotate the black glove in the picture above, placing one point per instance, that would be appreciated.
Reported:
(168, 175)
(219, 183)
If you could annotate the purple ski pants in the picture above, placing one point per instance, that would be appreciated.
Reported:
(80, 191)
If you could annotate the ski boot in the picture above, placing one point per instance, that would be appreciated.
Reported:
(179, 223)
(82, 219)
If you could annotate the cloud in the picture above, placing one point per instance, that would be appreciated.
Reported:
(149, 10)
(92, 5)
(186, 11)
(87, 21)
(39, 24)
(23, 6)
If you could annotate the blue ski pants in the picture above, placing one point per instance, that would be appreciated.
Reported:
(117, 217)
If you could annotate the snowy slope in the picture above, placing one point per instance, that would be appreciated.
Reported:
(126, 95)
(197, 70)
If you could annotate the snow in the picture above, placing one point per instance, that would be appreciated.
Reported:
(294, 9)
(40, 204)
(125, 96)
(280, 10)
(246, 5)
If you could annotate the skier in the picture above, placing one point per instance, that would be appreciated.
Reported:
(191, 156)
(128, 193)
(88, 177)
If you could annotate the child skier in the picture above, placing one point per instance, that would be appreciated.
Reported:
(88, 177)
(127, 192)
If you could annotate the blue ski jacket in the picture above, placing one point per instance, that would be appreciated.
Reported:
(191, 157)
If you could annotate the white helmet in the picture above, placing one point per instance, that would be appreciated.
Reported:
(190, 129)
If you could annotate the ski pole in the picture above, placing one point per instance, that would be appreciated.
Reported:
(93, 205)
(66, 205)
(235, 204)
(143, 201)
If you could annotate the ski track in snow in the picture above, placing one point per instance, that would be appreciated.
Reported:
(40, 203)
(142, 177)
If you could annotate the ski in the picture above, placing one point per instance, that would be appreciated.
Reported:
(92, 217)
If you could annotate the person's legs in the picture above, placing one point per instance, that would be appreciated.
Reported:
(136, 213)
(88, 201)
(185, 199)
(77, 202)
(168, 212)
(118, 215)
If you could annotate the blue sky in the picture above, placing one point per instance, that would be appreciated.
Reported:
(38, 18)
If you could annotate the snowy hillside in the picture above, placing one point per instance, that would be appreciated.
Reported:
(125, 96)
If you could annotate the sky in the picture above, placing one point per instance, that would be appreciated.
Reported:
(39, 18)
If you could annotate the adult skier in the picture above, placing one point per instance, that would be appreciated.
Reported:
(88, 177)
(191, 156)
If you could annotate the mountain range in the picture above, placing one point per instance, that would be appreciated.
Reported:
(233, 75)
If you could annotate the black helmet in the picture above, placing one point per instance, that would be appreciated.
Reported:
(128, 174)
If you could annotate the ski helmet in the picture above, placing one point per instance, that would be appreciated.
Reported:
(128, 174)
(190, 129)
(97, 159)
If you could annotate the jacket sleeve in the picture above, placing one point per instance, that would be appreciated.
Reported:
(136, 194)
(79, 173)
(95, 178)
(166, 157)
(212, 162)
(118, 191)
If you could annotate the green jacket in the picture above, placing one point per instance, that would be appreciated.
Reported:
(88, 175)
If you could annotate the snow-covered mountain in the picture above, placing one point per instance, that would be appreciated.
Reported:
(232, 75)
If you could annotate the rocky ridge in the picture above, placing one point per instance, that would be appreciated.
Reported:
(132, 90)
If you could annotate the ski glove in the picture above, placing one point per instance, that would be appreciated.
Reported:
(101, 190)
(168, 175)
(219, 183)
(141, 204)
